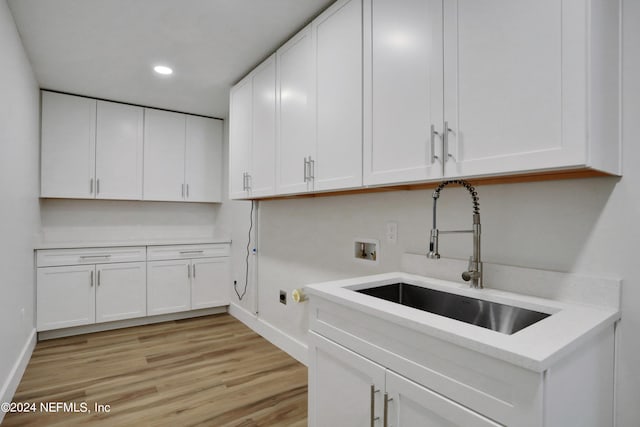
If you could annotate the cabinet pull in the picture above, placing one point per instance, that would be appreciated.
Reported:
(244, 181)
(312, 169)
(94, 256)
(187, 191)
(183, 191)
(98, 277)
(191, 252)
(387, 399)
(305, 170)
(91, 186)
(91, 282)
(373, 405)
(98, 186)
(194, 271)
(434, 133)
(445, 142)
(189, 271)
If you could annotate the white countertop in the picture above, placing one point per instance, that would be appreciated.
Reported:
(115, 243)
(535, 347)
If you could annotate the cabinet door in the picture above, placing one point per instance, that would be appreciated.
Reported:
(119, 146)
(240, 134)
(340, 386)
(403, 85)
(168, 286)
(263, 148)
(210, 282)
(414, 405)
(68, 146)
(296, 112)
(121, 291)
(506, 64)
(338, 42)
(65, 296)
(203, 159)
(164, 141)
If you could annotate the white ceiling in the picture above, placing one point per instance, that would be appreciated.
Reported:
(107, 48)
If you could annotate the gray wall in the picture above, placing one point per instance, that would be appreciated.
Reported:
(19, 172)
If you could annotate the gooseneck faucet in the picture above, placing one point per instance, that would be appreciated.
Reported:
(474, 271)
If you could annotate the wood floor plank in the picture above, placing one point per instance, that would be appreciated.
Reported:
(206, 371)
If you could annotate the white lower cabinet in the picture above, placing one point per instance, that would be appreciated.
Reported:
(121, 291)
(84, 286)
(187, 277)
(168, 289)
(209, 282)
(78, 295)
(368, 370)
(351, 390)
(65, 296)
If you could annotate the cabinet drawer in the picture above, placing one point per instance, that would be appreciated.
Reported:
(57, 257)
(158, 253)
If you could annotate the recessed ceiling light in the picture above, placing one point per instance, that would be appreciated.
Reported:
(162, 69)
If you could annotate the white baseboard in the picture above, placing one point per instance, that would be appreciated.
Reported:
(296, 349)
(11, 384)
(99, 327)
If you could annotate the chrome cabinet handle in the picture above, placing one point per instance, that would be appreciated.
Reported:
(191, 252)
(187, 191)
(82, 257)
(246, 186)
(312, 169)
(445, 142)
(183, 191)
(306, 176)
(373, 405)
(91, 279)
(98, 277)
(189, 271)
(194, 270)
(98, 186)
(434, 133)
(387, 399)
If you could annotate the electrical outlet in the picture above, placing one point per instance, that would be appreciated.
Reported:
(392, 232)
(283, 297)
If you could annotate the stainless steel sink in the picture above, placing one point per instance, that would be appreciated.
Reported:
(491, 315)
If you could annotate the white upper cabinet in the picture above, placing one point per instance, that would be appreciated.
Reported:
(68, 146)
(203, 159)
(403, 86)
(164, 149)
(296, 113)
(262, 176)
(516, 79)
(338, 47)
(252, 128)
(240, 133)
(382, 92)
(182, 157)
(107, 150)
(526, 87)
(119, 144)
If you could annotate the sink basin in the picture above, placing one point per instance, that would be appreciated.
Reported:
(491, 315)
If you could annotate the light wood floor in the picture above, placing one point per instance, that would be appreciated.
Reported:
(208, 371)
